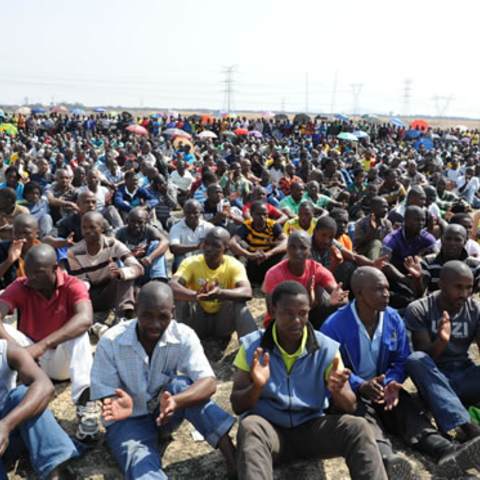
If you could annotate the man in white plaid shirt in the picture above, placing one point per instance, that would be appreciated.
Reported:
(136, 375)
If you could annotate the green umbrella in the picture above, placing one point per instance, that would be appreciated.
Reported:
(9, 128)
(350, 137)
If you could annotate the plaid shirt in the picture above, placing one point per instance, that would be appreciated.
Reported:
(121, 362)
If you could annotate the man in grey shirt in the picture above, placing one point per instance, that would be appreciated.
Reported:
(444, 325)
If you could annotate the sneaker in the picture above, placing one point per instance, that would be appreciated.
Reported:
(465, 457)
(98, 330)
(87, 418)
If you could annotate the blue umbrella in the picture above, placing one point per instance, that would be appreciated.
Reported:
(396, 122)
(413, 133)
(100, 110)
(1, 113)
(342, 117)
(38, 110)
(78, 111)
(426, 142)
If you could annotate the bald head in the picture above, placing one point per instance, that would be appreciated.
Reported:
(455, 229)
(219, 233)
(25, 220)
(92, 217)
(299, 236)
(192, 204)
(154, 293)
(365, 276)
(453, 270)
(41, 255)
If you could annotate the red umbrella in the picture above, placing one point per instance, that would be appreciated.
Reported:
(59, 109)
(206, 119)
(420, 125)
(138, 129)
(241, 131)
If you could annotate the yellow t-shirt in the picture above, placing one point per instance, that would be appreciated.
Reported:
(293, 224)
(194, 270)
(289, 359)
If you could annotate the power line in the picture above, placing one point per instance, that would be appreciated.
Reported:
(441, 103)
(407, 91)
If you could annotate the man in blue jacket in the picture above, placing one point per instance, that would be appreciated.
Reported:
(283, 379)
(374, 346)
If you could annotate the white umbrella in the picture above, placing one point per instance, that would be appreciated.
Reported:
(207, 134)
(176, 132)
(229, 133)
(461, 128)
(23, 111)
(173, 113)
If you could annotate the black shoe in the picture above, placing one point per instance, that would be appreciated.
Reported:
(398, 468)
(465, 457)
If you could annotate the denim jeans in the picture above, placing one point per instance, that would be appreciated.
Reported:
(158, 268)
(41, 437)
(445, 388)
(134, 441)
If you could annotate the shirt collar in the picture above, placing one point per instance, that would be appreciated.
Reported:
(361, 326)
(130, 336)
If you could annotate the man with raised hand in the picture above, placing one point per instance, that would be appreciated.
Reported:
(374, 344)
(151, 373)
(283, 378)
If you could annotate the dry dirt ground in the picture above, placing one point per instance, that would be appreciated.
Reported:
(184, 458)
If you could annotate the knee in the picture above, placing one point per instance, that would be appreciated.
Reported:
(249, 430)
(418, 360)
(178, 384)
(358, 427)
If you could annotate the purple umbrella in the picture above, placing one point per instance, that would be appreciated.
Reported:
(465, 140)
(256, 134)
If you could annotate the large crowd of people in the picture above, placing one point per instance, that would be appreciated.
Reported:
(125, 242)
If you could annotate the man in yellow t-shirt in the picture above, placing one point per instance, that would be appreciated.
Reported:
(304, 221)
(211, 290)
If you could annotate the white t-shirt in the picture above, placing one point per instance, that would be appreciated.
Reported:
(184, 182)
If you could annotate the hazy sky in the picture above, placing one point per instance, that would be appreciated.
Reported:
(172, 54)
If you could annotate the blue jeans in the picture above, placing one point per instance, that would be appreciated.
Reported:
(41, 437)
(470, 193)
(134, 441)
(158, 268)
(273, 201)
(445, 388)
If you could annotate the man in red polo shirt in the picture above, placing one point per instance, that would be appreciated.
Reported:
(55, 314)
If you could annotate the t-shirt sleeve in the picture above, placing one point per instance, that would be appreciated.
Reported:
(185, 270)
(237, 273)
(78, 292)
(415, 317)
(323, 277)
(272, 280)
(13, 295)
(175, 236)
(241, 360)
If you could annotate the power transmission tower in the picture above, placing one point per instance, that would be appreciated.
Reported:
(334, 92)
(407, 93)
(229, 82)
(356, 90)
(441, 104)
(282, 109)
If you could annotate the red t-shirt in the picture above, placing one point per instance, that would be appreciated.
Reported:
(281, 273)
(273, 212)
(39, 316)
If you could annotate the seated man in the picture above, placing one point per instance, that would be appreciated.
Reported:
(289, 205)
(147, 245)
(166, 195)
(427, 270)
(187, 235)
(260, 242)
(151, 373)
(372, 229)
(411, 240)
(8, 211)
(38, 207)
(325, 294)
(443, 327)
(304, 221)
(13, 252)
(211, 290)
(28, 426)
(95, 260)
(259, 194)
(374, 344)
(55, 313)
(281, 396)
(130, 195)
(182, 179)
(61, 195)
(218, 210)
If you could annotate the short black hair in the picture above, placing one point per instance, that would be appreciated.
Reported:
(326, 223)
(256, 205)
(9, 194)
(30, 187)
(289, 287)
